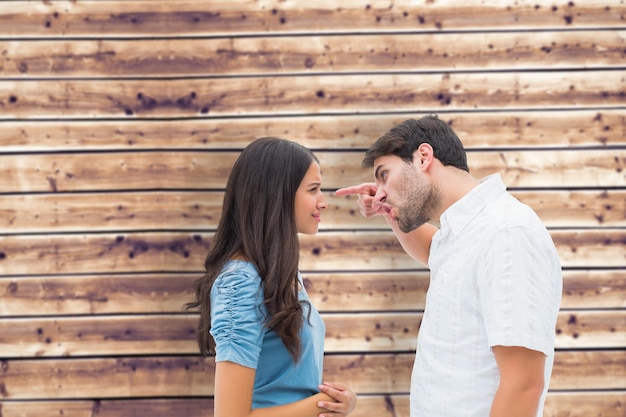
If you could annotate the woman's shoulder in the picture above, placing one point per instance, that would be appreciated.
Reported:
(238, 272)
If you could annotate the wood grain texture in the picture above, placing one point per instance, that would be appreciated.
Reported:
(175, 376)
(237, 17)
(503, 130)
(577, 404)
(176, 334)
(120, 121)
(49, 296)
(583, 404)
(598, 168)
(95, 294)
(201, 210)
(171, 407)
(320, 94)
(328, 251)
(290, 55)
(586, 289)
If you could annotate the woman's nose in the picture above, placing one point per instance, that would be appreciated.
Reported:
(322, 203)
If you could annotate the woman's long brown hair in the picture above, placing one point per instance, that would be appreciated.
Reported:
(258, 223)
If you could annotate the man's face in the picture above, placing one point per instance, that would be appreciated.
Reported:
(405, 191)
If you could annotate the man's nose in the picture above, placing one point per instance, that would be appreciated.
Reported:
(379, 197)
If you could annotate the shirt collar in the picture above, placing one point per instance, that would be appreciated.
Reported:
(458, 215)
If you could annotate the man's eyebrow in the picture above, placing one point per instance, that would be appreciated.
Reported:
(376, 172)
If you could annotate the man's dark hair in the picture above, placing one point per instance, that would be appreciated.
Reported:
(403, 140)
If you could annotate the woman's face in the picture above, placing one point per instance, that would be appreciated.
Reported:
(310, 201)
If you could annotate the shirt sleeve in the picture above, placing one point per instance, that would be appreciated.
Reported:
(518, 287)
(237, 323)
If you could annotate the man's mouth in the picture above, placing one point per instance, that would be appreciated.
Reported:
(387, 209)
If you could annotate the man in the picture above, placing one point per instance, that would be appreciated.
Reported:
(486, 342)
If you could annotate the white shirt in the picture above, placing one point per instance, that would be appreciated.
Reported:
(495, 280)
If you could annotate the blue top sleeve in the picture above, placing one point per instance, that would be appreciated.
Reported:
(237, 317)
(238, 325)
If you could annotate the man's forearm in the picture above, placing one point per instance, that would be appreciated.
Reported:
(516, 402)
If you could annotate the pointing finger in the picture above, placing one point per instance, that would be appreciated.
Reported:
(365, 188)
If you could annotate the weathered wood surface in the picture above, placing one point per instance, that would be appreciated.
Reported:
(327, 251)
(188, 210)
(175, 376)
(176, 334)
(337, 94)
(184, 18)
(502, 130)
(289, 55)
(47, 296)
(584, 404)
(202, 170)
(121, 119)
(558, 404)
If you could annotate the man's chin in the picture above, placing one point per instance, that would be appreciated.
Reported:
(408, 228)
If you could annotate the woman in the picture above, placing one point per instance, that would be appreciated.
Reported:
(255, 314)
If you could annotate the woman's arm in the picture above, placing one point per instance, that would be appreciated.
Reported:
(344, 400)
(233, 396)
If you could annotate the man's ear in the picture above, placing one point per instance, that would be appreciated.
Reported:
(423, 155)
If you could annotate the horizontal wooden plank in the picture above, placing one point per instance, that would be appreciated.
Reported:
(105, 335)
(398, 331)
(336, 292)
(327, 251)
(577, 248)
(571, 128)
(584, 404)
(577, 208)
(172, 376)
(176, 334)
(184, 18)
(106, 294)
(521, 169)
(58, 212)
(172, 407)
(167, 376)
(311, 94)
(611, 363)
(205, 170)
(164, 252)
(313, 54)
(587, 289)
(577, 404)
(389, 291)
(589, 329)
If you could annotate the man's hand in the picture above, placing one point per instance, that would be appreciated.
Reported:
(365, 198)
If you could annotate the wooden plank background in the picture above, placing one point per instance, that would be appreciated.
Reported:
(119, 121)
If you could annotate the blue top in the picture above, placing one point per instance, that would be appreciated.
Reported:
(238, 327)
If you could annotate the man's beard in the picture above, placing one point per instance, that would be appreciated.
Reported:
(420, 205)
